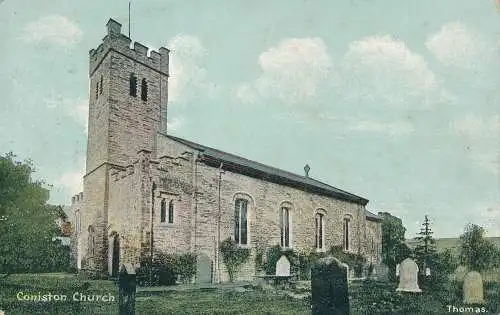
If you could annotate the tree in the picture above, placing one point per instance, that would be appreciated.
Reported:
(476, 252)
(394, 250)
(28, 223)
(426, 250)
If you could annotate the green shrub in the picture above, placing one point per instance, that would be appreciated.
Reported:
(306, 261)
(259, 259)
(233, 256)
(166, 269)
(185, 266)
(354, 261)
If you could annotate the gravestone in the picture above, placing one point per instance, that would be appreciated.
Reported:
(203, 269)
(283, 267)
(329, 288)
(473, 288)
(381, 272)
(127, 288)
(427, 272)
(408, 279)
(397, 270)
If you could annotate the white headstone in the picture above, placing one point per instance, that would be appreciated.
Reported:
(397, 270)
(283, 267)
(473, 288)
(408, 279)
(427, 271)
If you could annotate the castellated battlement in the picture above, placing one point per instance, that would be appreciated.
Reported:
(76, 199)
(116, 41)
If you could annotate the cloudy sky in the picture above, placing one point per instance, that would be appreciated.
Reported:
(398, 103)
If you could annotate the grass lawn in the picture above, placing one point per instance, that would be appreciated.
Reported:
(208, 301)
(365, 298)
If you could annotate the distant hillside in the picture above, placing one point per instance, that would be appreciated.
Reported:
(450, 243)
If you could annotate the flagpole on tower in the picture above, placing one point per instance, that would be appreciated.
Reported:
(129, 19)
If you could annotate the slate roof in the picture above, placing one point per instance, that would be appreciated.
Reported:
(237, 164)
(372, 216)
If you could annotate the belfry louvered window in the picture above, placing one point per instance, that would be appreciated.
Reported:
(133, 85)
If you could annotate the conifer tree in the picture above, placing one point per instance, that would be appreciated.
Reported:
(426, 250)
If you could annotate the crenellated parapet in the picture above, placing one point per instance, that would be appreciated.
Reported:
(77, 199)
(116, 41)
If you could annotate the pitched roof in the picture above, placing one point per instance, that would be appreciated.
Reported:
(372, 216)
(237, 164)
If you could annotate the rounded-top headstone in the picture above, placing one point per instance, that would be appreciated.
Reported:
(473, 288)
(408, 276)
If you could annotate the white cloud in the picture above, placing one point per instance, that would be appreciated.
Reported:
(472, 125)
(72, 181)
(187, 72)
(76, 108)
(455, 45)
(384, 69)
(480, 135)
(392, 129)
(53, 29)
(292, 71)
(174, 124)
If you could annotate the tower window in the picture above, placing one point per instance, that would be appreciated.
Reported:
(171, 211)
(144, 90)
(133, 85)
(100, 86)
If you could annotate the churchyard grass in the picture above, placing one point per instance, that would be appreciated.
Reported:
(199, 301)
(365, 298)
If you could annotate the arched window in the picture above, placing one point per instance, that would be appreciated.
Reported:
(346, 233)
(144, 90)
(100, 86)
(133, 85)
(241, 221)
(285, 226)
(171, 211)
(320, 231)
(163, 211)
(91, 240)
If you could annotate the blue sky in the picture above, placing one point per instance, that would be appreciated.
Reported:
(397, 102)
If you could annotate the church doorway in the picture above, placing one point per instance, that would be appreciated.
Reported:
(115, 262)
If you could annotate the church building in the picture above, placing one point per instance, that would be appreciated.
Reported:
(147, 191)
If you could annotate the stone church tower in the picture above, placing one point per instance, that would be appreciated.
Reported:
(127, 108)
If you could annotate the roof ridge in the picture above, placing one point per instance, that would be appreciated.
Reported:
(294, 176)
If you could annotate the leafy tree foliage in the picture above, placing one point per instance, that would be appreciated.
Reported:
(394, 249)
(476, 252)
(27, 222)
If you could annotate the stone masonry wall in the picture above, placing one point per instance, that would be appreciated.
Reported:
(265, 199)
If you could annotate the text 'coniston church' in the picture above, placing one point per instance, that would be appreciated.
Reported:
(145, 189)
